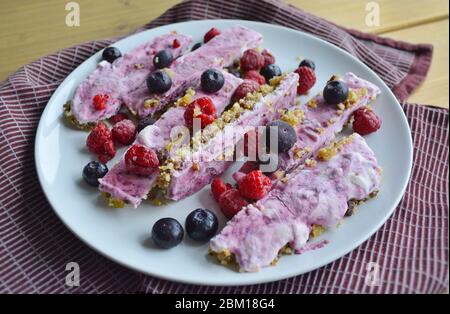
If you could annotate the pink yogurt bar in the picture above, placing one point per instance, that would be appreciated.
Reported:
(320, 125)
(121, 184)
(205, 163)
(316, 195)
(219, 52)
(121, 77)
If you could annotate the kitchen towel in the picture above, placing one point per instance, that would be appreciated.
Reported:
(411, 249)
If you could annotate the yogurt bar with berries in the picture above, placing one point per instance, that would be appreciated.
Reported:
(211, 153)
(221, 51)
(102, 93)
(317, 122)
(121, 184)
(317, 195)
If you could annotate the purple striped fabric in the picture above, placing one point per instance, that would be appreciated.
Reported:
(411, 249)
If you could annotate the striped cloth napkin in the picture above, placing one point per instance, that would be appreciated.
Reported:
(411, 249)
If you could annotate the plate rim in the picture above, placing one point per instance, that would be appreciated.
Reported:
(275, 277)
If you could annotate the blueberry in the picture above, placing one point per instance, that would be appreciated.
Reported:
(159, 82)
(94, 171)
(142, 124)
(335, 92)
(167, 233)
(201, 224)
(110, 54)
(270, 71)
(196, 46)
(162, 59)
(307, 63)
(286, 135)
(212, 80)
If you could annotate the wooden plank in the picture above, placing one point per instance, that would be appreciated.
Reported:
(434, 90)
(394, 15)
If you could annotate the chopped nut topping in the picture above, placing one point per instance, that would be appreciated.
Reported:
(310, 162)
(312, 103)
(293, 117)
(195, 166)
(316, 231)
(150, 103)
(186, 99)
(138, 66)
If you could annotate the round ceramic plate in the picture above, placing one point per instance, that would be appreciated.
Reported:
(123, 234)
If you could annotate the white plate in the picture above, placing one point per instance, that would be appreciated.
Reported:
(123, 234)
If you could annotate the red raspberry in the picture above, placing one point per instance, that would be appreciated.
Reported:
(251, 60)
(231, 202)
(100, 142)
(218, 187)
(124, 132)
(118, 117)
(268, 57)
(253, 75)
(175, 43)
(202, 108)
(248, 86)
(213, 32)
(306, 80)
(366, 121)
(141, 160)
(255, 185)
(99, 101)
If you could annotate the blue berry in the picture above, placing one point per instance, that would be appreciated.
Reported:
(110, 54)
(94, 171)
(308, 63)
(163, 59)
(212, 80)
(286, 136)
(196, 46)
(335, 92)
(167, 233)
(142, 124)
(270, 71)
(201, 224)
(159, 82)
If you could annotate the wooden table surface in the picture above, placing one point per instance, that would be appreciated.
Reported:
(32, 28)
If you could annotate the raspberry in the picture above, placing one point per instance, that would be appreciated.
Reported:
(306, 80)
(118, 117)
(248, 86)
(213, 32)
(100, 142)
(141, 160)
(366, 121)
(175, 43)
(251, 60)
(253, 75)
(202, 108)
(255, 185)
(99, 101)
(231, 202)
(268, 57)
(124, 132)
(218, 187)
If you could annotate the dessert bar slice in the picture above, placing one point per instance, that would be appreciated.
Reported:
(211, 151)
(316, 123)
(124, 186)
(121, 77)
(219, 52)
(314, 196)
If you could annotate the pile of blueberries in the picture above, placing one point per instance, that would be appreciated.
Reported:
(201, 225)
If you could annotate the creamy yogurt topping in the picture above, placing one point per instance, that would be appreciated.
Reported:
(316, 195)
(121, 77)
(219, 52)
(189, 179)
(320, 125)
(133, 188)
